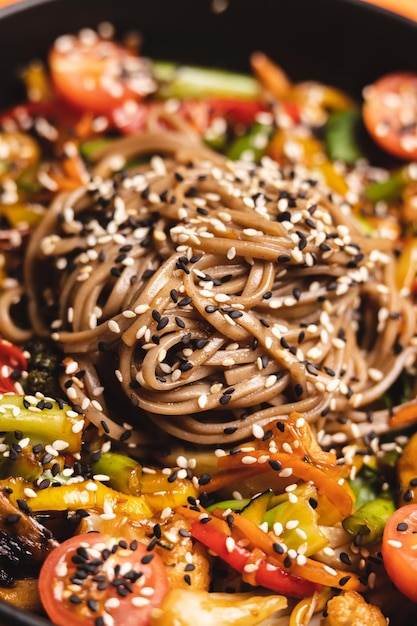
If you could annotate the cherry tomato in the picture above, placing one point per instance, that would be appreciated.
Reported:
(97, 74)
(390, 114)
(399, 552)
(93, 576)
(12, 360)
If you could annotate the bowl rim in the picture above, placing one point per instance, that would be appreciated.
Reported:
(23, 5)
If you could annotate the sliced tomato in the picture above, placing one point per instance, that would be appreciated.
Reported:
(97, 74)
(390, 114)
(399, 549)
(12, 362)
(93, 578)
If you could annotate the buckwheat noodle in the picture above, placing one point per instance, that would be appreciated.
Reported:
(204, 296)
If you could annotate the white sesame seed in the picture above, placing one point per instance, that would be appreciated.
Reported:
(113, 326)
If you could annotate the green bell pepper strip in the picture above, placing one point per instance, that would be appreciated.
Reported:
(252, 144)
(389, 189)
(340, 136)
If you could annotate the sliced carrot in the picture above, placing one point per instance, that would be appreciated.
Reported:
(259, 461)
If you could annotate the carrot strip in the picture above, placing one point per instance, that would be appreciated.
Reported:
(309, 568)
(270, 75)
(404, 415)
(260, 461)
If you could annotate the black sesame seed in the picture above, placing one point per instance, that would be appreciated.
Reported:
(275, 465)
(298, 390)
(344, 580)
(12, 519)
(164, 321)
(204, 479)
(74, 599)
(345, 558)
(185, 301)
(147, 558)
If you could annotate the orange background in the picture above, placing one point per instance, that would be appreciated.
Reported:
(405, 7)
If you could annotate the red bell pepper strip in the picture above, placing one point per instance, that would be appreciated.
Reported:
(265, 574)
(131, 117)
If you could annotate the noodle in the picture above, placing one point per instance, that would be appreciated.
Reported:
(207, 296)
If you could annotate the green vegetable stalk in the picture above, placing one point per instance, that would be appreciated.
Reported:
(43, 421)
(124, 473)
(368, 522)
(182, 81)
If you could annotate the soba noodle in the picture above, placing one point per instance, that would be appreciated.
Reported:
(205, 296)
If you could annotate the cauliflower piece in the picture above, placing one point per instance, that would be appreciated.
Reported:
(351, 609)
(186, 607)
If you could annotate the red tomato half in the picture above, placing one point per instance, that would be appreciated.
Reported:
(91, 575)
(390, 114)
(399, 549)
(96, 74)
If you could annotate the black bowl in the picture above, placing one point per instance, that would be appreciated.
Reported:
(346, 43)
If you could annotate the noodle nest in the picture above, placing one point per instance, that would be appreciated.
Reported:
(209, 297)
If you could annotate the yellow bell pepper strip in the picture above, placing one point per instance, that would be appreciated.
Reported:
(88, 494)
(43, 420)
(166, 490)
(20, 151)
(24, 464)
(367, 523)
(259, 461)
